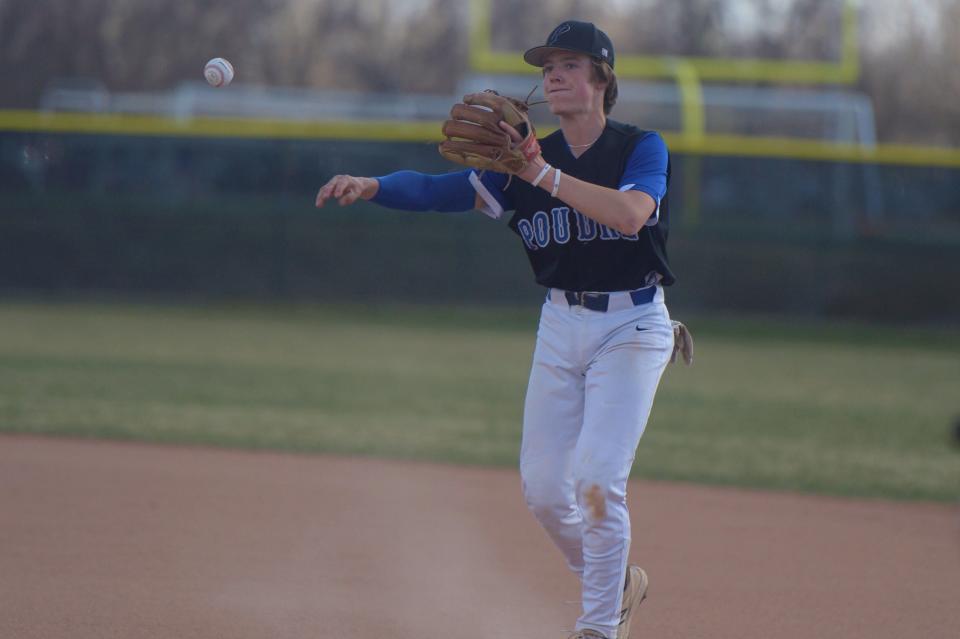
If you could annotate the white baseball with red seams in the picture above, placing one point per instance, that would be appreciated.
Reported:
(218, 72)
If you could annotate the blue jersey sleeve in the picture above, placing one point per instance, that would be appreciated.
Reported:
(646, 171)
(413, 191)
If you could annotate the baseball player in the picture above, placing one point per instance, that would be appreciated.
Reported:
(591, 210)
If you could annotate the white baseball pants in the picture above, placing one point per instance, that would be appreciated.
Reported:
(592, 383)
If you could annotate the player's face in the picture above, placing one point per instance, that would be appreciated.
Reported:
(568, 84)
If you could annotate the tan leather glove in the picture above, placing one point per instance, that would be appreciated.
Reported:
(475, 139)
(682, 343)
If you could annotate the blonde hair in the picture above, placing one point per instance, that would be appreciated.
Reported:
(603, 72)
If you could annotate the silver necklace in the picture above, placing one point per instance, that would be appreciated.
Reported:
(580, 146)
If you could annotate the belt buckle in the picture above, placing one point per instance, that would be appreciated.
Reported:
(586, 299)
(595, 301)
(574, 298)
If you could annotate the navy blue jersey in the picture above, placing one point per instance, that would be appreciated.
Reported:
(570, 251)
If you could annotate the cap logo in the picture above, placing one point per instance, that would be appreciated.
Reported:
(559, 31)
(605, 53)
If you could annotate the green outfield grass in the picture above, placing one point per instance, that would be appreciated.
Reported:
(848, 410)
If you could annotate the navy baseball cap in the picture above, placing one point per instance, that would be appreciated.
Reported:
(573, 35)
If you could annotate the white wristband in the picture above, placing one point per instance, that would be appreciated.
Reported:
(556, 183)
(543, 172)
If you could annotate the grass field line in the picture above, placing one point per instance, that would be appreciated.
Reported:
(808, 411)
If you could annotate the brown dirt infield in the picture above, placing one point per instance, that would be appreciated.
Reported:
(101, 539)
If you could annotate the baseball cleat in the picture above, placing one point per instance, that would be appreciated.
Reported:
(587, 633)
(634, 593)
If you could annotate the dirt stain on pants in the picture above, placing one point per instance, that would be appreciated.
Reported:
(596, 502)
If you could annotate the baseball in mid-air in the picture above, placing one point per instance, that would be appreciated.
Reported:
(218, 72)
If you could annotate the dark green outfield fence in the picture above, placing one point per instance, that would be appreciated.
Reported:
(213, 217)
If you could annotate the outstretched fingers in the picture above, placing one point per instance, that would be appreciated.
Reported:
(342, 188)
(326, 191)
